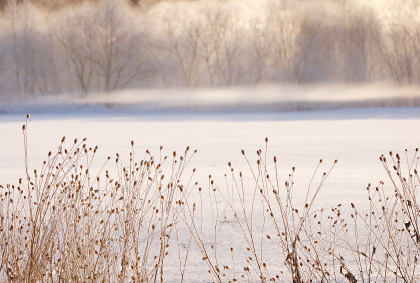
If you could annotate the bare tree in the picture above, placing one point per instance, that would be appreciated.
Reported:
(24, 42)
(316, 60)
(103, 46)
(222, 44)
(119, 50)
(184, 33)
(282, 28)
(354, 47)
(75, 37)
(400, 53)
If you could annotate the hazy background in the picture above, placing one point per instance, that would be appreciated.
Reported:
(51, 47)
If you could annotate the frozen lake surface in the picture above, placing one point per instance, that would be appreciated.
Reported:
(355, 137)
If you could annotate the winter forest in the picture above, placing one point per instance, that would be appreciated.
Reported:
(81, 47)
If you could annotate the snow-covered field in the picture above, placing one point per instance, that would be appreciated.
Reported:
(356, 137)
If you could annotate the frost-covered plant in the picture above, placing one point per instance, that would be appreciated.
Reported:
(279, 238)
(67, 223)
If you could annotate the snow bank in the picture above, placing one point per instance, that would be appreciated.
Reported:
(236, 99)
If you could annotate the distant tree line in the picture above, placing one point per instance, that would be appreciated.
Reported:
(103, 45)
(52, 5)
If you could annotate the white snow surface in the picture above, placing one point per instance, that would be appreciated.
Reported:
(356, 137)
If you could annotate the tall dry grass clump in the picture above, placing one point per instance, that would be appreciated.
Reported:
(64, 223)
(279, 237)
(285, 237)
(382, 240)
